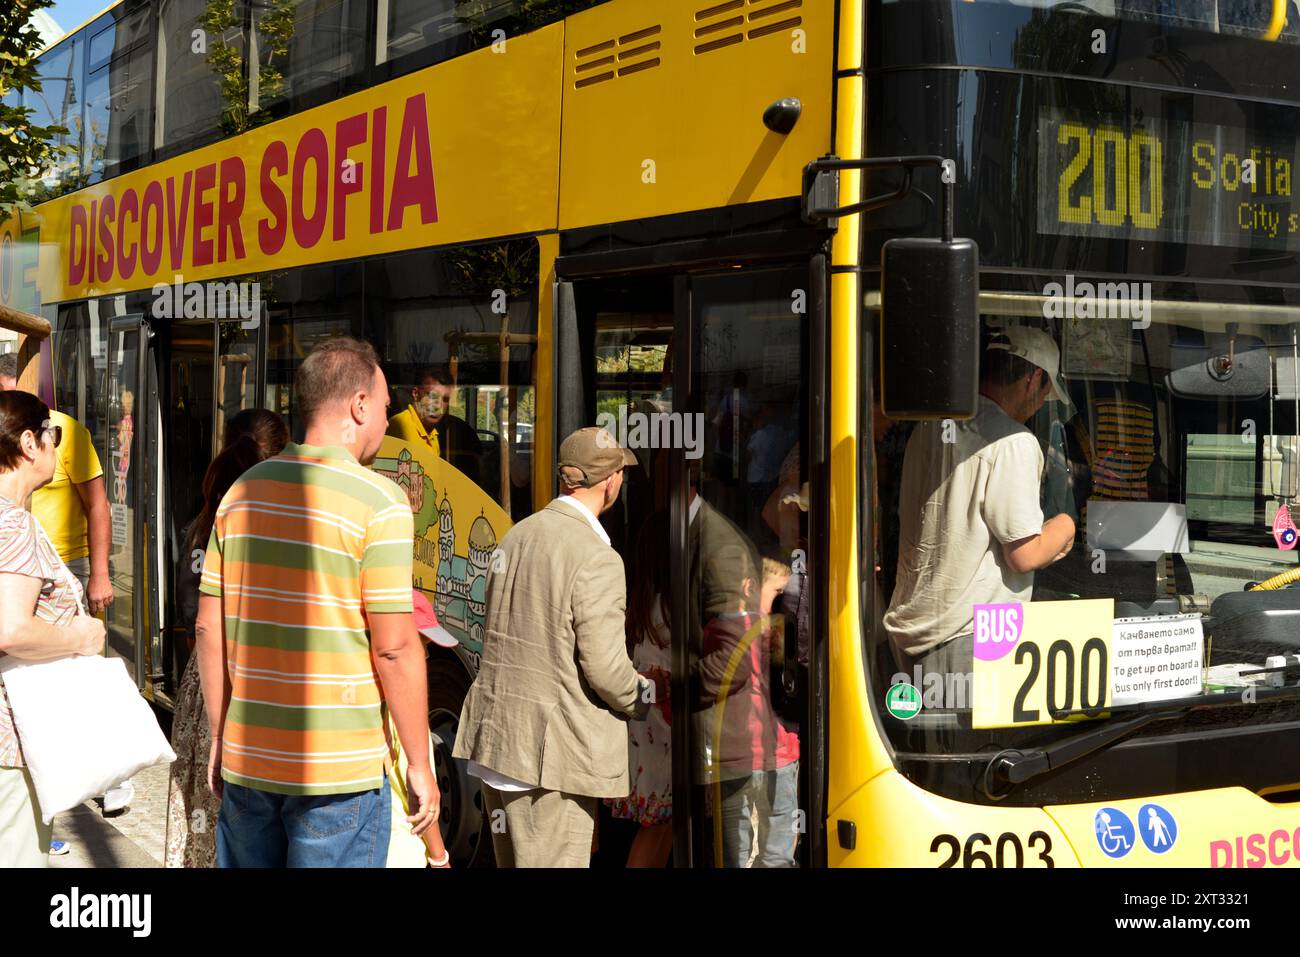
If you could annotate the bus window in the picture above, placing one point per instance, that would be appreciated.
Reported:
(236, 377)
(190, 103)
(304, 307)
(304, 47)
(456, 333)
(748, 575)
(57, 104)
(1247, 18)
(735, 427)
(1155, 470)
(408, 27)
(411, 34)
(117, 94)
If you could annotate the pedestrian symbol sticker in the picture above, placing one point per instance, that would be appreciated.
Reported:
(1158, 827)
(903, 701)
(1114, 832)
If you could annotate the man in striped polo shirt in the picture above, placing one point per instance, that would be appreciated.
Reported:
(308, 580)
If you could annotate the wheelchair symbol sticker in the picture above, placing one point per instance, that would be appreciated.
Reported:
(1114, 832)
(1158, 827)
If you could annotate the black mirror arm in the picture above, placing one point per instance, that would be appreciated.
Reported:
(821, 187)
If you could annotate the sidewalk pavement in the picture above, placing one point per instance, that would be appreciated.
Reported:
(136, 838)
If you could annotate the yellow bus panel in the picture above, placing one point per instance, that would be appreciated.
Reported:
(901, 825)
(663, 105)
(454, 166)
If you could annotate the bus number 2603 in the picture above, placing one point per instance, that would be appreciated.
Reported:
(982, 851)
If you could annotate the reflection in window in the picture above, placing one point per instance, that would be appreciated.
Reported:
(305, 307)
(1250, 18)
(236, 374)
(304, 45)
(408, 26)
(117, 110)
(745, 583)
(187, 420)
(80, 343)
(197, 89)
(455, 333)
(1178, 455)
(58, 103)
(440, 29)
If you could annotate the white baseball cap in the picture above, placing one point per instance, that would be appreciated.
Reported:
(1037, 348)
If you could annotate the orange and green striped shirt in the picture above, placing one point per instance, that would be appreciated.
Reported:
(305, 547)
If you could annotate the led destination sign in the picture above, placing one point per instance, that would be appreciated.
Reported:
(1166, 182)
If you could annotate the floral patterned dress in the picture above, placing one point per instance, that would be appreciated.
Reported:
(192, 809)
(649, 752)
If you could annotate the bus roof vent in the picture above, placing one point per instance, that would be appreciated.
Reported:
(721, 25)
(617, 57)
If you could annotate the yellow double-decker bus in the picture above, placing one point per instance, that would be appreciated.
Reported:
(670, 219)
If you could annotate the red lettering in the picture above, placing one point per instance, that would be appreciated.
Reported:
(205, 178)
(1255, 843)
(347, 133)
(104, 261)
(413, 188)
(176, 217)
(271, 230)
(314, 147)
(151, 253)
(91, 239)
(1275, 858)
(130, 205)
(76, 245)
(378, 149)
(230, 207)
(1220, 846)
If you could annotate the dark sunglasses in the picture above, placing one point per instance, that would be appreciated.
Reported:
(56, 431)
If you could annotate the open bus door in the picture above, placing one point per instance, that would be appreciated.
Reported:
(133, 478)
(711, 374)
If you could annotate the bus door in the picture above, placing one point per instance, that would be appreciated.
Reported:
(215, 370)
(134, 479)
(706, 377)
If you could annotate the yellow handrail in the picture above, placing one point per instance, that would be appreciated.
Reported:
(1278, 581)
(1278, 21)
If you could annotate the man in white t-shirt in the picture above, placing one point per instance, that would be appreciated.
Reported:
(972, 529)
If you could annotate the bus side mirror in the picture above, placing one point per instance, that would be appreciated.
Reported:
(929, 328)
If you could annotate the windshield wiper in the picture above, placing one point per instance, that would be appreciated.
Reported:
(1016, 766)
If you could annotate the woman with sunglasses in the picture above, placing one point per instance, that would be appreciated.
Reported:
(41, 611)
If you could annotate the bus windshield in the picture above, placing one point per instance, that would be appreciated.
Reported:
(1250, 18)
(1150, 484)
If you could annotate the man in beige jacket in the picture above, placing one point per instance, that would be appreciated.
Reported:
(543, 724)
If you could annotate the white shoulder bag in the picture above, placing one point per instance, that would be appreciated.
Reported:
(83, 727)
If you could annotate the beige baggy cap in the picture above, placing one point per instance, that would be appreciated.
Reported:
(589, 456)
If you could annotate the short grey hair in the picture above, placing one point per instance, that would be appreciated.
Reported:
(9, 366)
(334, 371)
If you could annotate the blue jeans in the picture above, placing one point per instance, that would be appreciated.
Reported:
(774, 795)
(262, 829)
